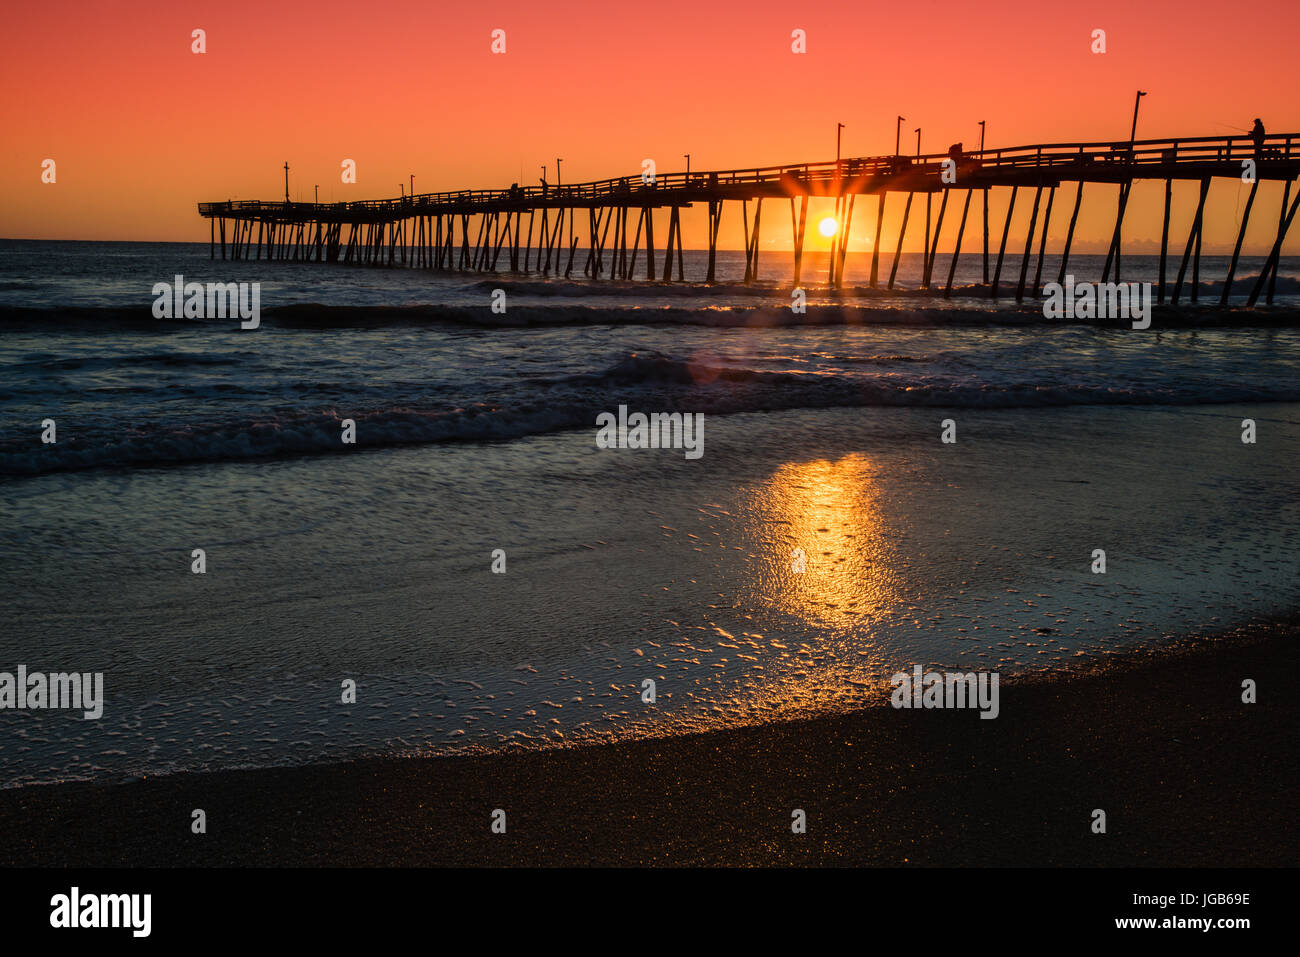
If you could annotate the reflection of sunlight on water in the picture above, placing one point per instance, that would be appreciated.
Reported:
(830, 511)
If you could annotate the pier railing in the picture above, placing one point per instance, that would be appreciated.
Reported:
(1156, 158)
(475, 229)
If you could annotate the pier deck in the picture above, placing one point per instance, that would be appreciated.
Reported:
(421, 231)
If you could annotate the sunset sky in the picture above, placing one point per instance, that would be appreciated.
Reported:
(142, 129)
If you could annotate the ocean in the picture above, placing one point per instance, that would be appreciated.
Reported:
(826, 538)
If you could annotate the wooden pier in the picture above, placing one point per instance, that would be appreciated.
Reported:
(541, 228)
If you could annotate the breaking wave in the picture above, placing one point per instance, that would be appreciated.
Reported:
(548, 405)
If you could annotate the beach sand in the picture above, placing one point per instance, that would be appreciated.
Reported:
(1187, 774)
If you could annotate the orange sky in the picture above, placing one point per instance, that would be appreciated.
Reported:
(142, 128)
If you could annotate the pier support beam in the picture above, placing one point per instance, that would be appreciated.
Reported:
(985, 191)
(758, 215)
(1112, 254)
(674, 235)
(1042, 243)
(573, 248)
(1193, 238)
(843, 246)
(1069, 234)
(1164, 239)
(528, 246)
(1236, 250)
(553, 240)
(934, 248)
(875, 249)
(1275, 253)
(800, 231)
(715, 223)
(1029, 245)
(610, 218)
(636, 244)
(650, 242)
(902, 231)
(956, 250)
(1002, 249)
(1272, 276)
(925, 244)
(749, 242)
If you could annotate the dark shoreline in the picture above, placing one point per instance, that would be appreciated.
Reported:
(1188, 776)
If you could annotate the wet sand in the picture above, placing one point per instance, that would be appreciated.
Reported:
(621, 567)
(1187, 774)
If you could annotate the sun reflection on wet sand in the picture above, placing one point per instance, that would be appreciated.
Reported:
(832, 520)
(828, 571)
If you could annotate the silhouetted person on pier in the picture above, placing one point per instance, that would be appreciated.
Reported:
(954, 152)
(544, 186)
(1257, 134)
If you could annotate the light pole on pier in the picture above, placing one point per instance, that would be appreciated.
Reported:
(1132, 136)
(985, 191)
(316, 187)
(286, 182)
(898, 133)
(558, 161)
(925, 253)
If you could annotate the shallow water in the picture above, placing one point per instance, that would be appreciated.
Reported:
(372, 561)
(624, 565)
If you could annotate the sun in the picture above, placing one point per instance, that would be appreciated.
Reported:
(828, 227)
